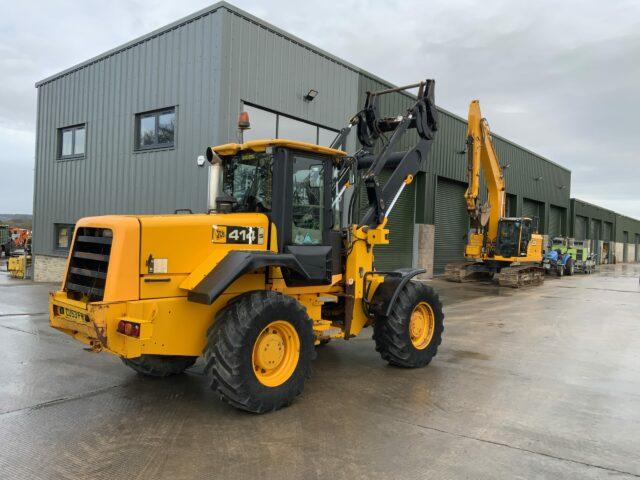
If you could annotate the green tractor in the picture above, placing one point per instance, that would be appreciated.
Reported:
(585, 261)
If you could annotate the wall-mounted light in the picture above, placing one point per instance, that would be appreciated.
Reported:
(504, 167)
(311, 95)
(537, 179)
(561, 187)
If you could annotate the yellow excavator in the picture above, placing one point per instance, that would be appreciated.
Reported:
(268, 272)
(510, 248)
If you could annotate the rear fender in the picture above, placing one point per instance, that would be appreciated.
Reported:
(235, 264)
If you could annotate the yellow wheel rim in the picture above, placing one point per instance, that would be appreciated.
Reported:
(276, 353)
(422, 325)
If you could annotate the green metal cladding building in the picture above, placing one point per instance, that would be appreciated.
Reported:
(122, 132)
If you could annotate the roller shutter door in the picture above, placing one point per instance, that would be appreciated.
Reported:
(451, 224)
(511, 205)
(580, 228)
(555, 221)
(534, 209)
(607, 229)
(399, 252)
(530, 208)
(595, 232)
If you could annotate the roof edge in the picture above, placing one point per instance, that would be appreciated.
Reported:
(589, 204)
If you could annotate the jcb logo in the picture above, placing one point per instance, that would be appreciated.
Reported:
(219, 234)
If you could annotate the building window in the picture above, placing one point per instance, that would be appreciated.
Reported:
(63, 235)
(71, 142)
(155, 129)
(268, 124)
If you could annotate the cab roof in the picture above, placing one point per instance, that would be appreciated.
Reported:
(261, 145)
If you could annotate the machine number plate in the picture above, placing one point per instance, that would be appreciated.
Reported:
(71, 314)
(232, 234)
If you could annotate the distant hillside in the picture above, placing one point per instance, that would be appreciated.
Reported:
(17, 220)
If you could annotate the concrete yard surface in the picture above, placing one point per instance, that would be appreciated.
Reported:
(533, 383)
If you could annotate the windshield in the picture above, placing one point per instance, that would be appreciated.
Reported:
(509, 231)
(247, 178)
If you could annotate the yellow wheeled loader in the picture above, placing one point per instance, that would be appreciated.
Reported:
(267, 273)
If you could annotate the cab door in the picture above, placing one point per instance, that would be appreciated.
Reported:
(307, 217)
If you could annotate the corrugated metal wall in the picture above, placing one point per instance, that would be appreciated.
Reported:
(627, 224)
(180, 67)
(275, 72)
(206, 66)
(601, 221)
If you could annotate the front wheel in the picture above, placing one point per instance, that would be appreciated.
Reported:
(409, 337)
(560, 270)
(259, 351)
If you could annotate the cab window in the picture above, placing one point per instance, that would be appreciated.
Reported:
(247, 178)
(308, 201)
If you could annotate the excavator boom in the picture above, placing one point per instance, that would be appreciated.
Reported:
(481, 156)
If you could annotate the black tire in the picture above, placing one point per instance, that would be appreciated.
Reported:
(560, 270)
(159, 365)
(392, 336)
(570, 267)
(229, 350)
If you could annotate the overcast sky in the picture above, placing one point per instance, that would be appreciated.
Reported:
(561, 78)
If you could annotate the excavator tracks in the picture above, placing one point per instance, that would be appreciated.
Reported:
(520, 276)
(463, 272)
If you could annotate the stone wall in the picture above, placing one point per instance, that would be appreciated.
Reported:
(49, 269)
(426, 239)
(619, 251)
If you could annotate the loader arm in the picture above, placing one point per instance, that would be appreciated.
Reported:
(481, 156)
(423, 117)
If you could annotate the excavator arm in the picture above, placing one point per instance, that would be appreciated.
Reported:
(481, 156)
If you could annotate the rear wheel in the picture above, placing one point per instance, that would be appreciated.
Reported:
(259, 351)
(410, 335)
(159, 365)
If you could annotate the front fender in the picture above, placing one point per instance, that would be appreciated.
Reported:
(385, 296)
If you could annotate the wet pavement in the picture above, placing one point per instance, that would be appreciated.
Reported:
(533, 383)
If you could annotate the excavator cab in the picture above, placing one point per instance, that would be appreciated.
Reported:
(514, 235)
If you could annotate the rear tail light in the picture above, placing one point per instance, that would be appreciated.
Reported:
(129, 328)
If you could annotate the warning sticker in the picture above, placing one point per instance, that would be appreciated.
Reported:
(160, 265)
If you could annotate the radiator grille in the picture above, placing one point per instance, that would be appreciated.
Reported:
(88, 264)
